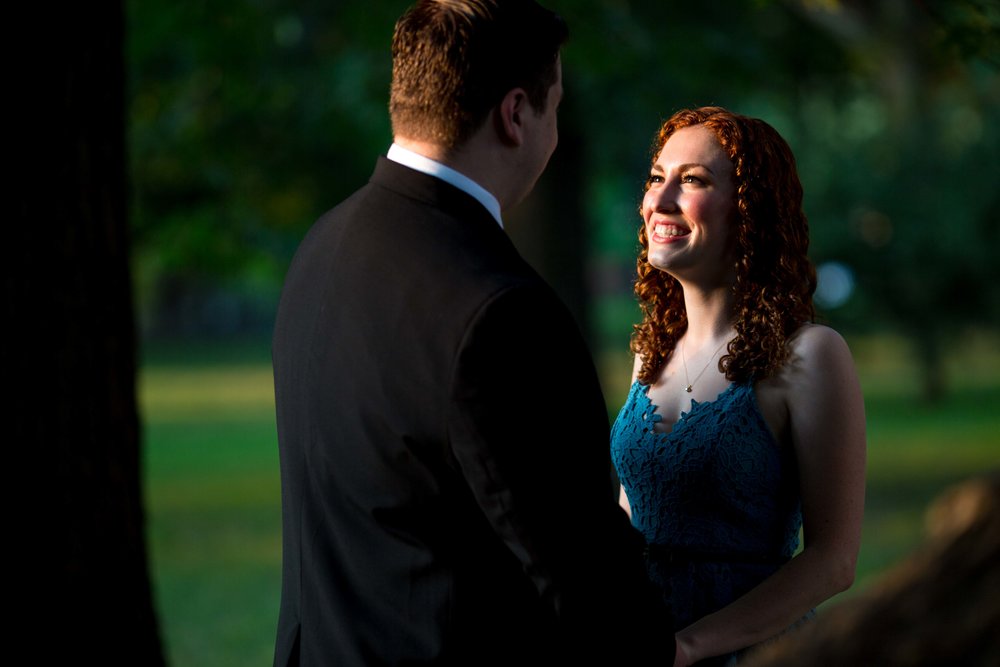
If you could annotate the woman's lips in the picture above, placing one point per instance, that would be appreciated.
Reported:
(667, 232)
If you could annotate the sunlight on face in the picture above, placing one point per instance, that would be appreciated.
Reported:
(689, 206)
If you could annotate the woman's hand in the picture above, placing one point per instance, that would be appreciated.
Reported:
(682, 653)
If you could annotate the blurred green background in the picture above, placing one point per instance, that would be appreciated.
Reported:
(249, 118)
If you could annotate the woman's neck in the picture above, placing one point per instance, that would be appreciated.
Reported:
(709, 313)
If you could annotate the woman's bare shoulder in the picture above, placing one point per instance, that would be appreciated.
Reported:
(817, 345)
(636, 366)
(812, 334)
(819, 365)
(816, 354)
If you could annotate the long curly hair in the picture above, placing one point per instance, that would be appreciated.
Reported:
(775, 280)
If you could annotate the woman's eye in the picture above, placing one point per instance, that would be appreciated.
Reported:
(689, 178)
(653, 178)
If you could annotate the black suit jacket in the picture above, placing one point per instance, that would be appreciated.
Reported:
(444, 450)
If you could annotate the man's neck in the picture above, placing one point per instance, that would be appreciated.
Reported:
(429, 150)
(450, 173)
(475, 159)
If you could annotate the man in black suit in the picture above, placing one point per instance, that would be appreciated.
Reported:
(443, 437)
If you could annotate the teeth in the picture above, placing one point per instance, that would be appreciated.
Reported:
(668, 230)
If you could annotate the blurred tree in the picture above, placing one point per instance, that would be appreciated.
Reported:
(77, 539)
(248, 119)
(892, 108)
(910, 192)
(551, 229)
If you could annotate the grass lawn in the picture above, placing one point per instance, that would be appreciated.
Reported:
(213, 505)
(213, 496)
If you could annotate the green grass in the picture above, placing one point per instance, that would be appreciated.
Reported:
(213, 506)
(213, 493)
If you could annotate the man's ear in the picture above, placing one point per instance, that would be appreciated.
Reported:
(510, 116)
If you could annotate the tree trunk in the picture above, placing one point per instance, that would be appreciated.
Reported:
(81, 555)
(551, 228)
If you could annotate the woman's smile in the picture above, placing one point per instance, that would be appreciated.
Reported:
(665, 232)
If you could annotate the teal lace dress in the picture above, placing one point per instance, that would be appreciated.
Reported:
(716, 498)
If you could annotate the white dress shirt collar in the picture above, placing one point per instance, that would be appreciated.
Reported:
(426, 165)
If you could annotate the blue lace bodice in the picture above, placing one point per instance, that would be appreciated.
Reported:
(716, 497)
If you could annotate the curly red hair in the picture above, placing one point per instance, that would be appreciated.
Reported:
(775, 280)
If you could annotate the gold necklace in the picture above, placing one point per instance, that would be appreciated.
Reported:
(690, 383)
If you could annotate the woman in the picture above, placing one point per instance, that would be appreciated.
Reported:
(745, 420)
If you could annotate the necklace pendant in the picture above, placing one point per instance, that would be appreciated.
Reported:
(688, 389)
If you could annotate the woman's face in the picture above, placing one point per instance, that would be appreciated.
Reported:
(689, 208)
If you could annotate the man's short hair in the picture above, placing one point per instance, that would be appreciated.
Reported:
(454, 60)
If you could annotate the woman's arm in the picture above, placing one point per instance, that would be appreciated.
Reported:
(826, 426)
(622, 496)
(623, 501)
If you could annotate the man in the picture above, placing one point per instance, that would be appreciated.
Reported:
(443, 438)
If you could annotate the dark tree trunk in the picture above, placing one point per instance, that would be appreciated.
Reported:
(937, 606)
(551, 228)
(81, 555)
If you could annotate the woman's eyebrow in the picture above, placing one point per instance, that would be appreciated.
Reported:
(681, 167)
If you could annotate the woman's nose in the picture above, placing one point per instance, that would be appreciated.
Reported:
(662, 199)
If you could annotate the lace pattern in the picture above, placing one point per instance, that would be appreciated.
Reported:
(717, 491)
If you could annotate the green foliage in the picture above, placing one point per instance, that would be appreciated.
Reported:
(903, 181)
(247, 120)
(891, 107)
(250, 118)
